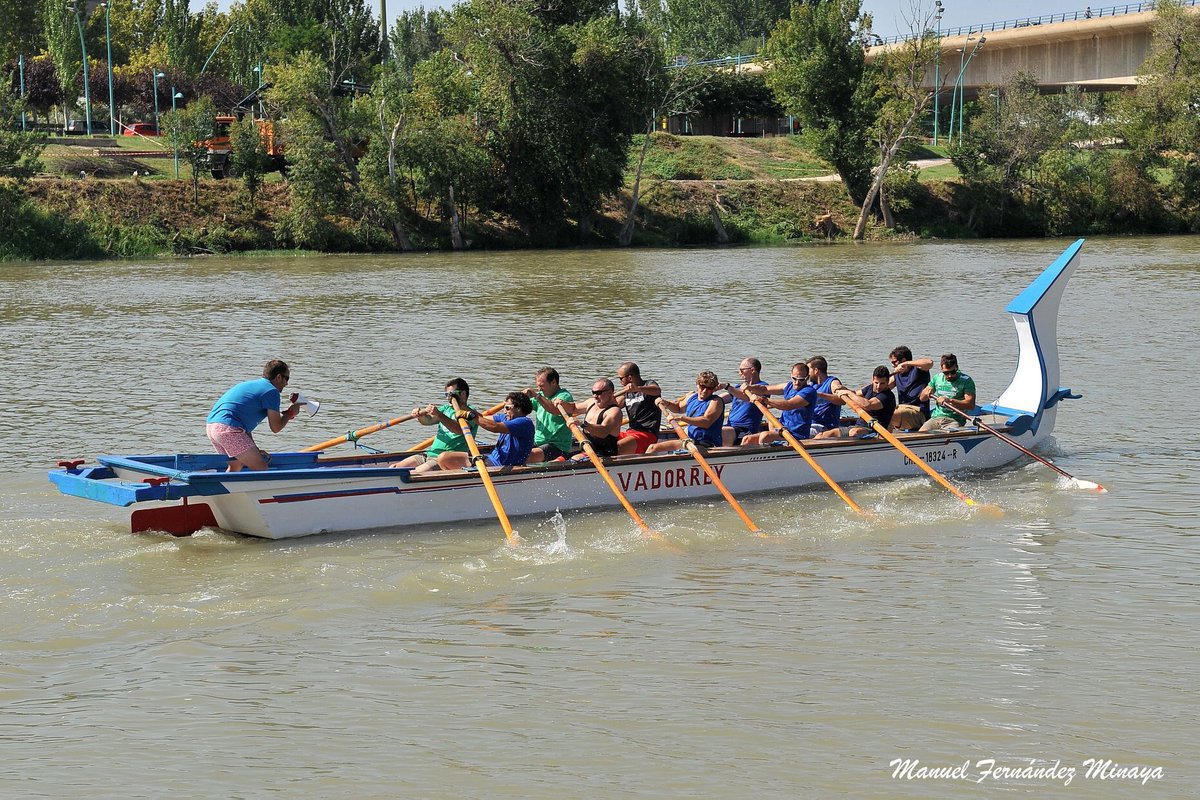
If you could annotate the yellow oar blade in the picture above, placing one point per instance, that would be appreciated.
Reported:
(812, 462)
(691, 447)
(586, 444)
(913, 457)
(481, 466)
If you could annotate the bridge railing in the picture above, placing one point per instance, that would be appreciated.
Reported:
(962, 30)
(1046, 19)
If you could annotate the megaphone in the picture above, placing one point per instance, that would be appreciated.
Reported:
(311, 406)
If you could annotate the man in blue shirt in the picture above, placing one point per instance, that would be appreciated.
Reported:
(240, 410)
(516, 429)
(799, 398)
(744, 417)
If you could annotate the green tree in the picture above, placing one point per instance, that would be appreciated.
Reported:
(325, 131)
(900, 100)
(1159, 120)
(416, 36)
(21, 30)
(702, 29)
(187, 129)
(1010, 130)
(19, 151)
(248, 154)
(555, 102)
(819, 74)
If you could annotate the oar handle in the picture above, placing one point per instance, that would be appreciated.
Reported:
(354, 436)
(694, 449)
(762, 406)
(481, 467)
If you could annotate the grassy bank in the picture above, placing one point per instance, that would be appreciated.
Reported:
(693, 189)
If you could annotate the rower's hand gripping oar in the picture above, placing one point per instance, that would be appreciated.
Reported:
(916, 459)
(586, 444)
(799, 448)
(692, 448)
(1077, 482)
(477, 457)
(496, 409)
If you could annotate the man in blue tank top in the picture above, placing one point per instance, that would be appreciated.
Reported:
(909, 378)
(827, 413)
(702, 412)
(744, 416)
(799, 398)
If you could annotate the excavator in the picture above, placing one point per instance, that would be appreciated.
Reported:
(220, 146)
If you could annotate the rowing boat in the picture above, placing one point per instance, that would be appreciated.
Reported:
(311, 493)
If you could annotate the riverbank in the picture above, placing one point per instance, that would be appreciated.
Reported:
(694, 191)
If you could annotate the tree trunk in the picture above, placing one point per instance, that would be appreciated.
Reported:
(722, 236)
(626, 237)
(889, 221)
(456, 238)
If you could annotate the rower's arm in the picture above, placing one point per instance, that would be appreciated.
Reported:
(714, 412)
(856, 399)
(670, 405)
(789, 404)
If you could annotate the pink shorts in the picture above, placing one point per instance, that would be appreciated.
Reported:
(643, 439)
(229, 441)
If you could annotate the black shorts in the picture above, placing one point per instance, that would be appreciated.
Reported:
(551, 452)
(741, 433)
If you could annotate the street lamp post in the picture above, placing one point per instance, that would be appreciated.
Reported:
(154, 80)
(112, 120)
(21, 64)
(87, 94)
(937, 70)
(962, 53)
(961, 89)
(175, 121)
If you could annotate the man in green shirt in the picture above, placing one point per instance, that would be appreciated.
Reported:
(953, 391)
(449, 436)
(552, 438)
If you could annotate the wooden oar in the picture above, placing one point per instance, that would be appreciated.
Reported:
(586, 444)
(481, 466)
(712, 473)
(354, 436)
(1078, 482)
(799, 448)
(916, 459)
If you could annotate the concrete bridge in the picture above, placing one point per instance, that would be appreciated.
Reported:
(1097, 53)
(1100, 51)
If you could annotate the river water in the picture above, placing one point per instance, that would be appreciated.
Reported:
(439, 663)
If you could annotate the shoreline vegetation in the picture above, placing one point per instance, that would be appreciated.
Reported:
(515, 124)
(696, 191)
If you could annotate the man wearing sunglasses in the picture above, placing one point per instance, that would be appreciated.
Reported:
(953, 391)
(239, 411)
(600, 420)
(744, 417)
(702, 412)
(797, 403)
(449, 437)
(516, 436)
